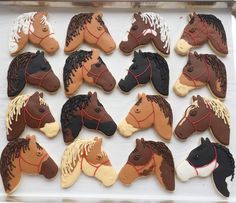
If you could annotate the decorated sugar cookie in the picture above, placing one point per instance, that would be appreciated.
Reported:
(31, 68)
(202, 70)
(86, 66)
(203, 28)
(86, 156)
(205, 114)
(150, 110)
(85, 110)
(209, 159)
(149, 157)
(32, 27)
(146, 28)
(30, 110)
(24, 155)
(90, 28)
(147, 67)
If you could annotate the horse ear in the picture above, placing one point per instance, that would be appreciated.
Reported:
(95, 95)
(136, 15)
(142, 140)
(99, 142)
(90, 93)
(200, 100)
(98, 13)
(138, 141)
(194, 98)
(96, 53)
(41, 94)
(32, 141)
(202, 140)
(208, 141)
(139, 95)
(135, 54)
(44, 13)
(195, 53)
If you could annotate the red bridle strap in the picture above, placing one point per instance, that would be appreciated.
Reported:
(96, 37)
(97, 76)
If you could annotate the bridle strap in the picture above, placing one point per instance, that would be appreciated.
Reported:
(97, 76)
(139, 36)
(96, 37)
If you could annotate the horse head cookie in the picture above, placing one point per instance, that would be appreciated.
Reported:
(202, 70)
(206, 159)
(146, 28)
(90, 28)
(86, 66)
(24, 155)
(203, 28)
(204, 114)
(30, 110)
(149, 157)
(89, 157)
(31, 68)
(35, 28)
(149, 110)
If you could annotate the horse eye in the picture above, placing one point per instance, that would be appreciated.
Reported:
(136, 157)
(43, 68)
(41, 110)
(192, 30)
(99, 157)
(190, 69)
(98, 65)
(99, 28)
(137, 110)
(196, 157)
(193, 113)
(134, 27)
(97, 110)
(134, 67)
(38, 153)
(45, 29)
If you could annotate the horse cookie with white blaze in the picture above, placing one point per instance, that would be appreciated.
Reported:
(30, 110)
(203, 28)
(149, 110)
(149, 157)
(147, 67)
(85, 110)
(206, 159)
(202, 70)
(24, 155)
(31, 68)
(90, 28)
(205, 114)
(146, 28)
(32, 27)
(86, 66)
(89, 157)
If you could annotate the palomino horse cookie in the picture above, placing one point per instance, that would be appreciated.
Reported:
(202, 70)
(90, 28)
(149, 110)
(206, 159)
(35, 28)
(31, 68)
(203, 28)
(24, 156)
(149, 157)
(147, 67)
(31, 110)
(89, 67)
(146, 28)
(87, 156)
(204, 114)
(85, 110)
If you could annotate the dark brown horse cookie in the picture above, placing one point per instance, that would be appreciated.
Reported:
(85, 110)
(203, 28)
(31, 68)
(150, 157)
(24, 155)
(205, 114)
(146, 28)
(90, 28)
(202, 70)
(86, 66)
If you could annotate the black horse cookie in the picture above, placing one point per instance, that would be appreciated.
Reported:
(147, 67)
(209, 158)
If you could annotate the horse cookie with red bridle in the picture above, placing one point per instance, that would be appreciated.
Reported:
(32, 27)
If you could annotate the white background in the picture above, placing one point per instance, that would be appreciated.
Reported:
(118, 105)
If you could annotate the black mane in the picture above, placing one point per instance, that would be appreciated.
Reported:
(73, 62)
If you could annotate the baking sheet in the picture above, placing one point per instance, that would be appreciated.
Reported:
(117, 104)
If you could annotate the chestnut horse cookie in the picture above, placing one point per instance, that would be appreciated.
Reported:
(85, 110)
(89, 67)
(203, 28)
(202, 70)
(89, 157)
(146, 28)
(206, 159)
(31, 110)
(149, 157)
(31, 68)
(149, 110)
(90, 28)
(204, 114)
(35, 28)
(24, 155)
(147, 67)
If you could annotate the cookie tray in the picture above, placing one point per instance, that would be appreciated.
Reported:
(118, 17)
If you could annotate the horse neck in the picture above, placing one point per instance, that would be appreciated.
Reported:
(16, 175)
(87, 168)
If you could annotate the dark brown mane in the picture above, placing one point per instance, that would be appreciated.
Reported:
(9, 154)
(164, 106)
(76, 25)
(73, 62)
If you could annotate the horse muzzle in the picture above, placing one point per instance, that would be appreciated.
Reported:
(182, 47)
(50, 129)
(107, 82)
(182, 89)
(185, 171)
(106, 43)
(50, 44)
(126, 129)
(128, 174)
(108, 128)
(51, 82)
(127, 86)
(49, 168)
(126, 47)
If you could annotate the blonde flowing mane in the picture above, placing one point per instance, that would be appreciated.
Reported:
(14, 109)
